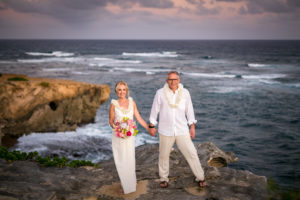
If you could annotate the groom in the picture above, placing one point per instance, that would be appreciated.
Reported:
(175, 108)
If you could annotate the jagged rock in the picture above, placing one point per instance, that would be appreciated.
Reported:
(28, 180)
(44, 105)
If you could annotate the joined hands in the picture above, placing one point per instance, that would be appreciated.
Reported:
(152, 131)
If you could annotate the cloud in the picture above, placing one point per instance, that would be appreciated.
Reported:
(150, 19)
(258, 6)
(156, 3)
(64, 10)
(270, 6)
(230, 0)
(202, 9)
(77, 10)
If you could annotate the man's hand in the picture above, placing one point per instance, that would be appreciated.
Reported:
(192, 131)
(152, 131)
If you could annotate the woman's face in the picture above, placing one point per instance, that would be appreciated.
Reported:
(122, 91)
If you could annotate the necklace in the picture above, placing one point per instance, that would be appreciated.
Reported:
(123, 110)
(179, 96)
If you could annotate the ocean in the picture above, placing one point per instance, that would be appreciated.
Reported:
(246, 94)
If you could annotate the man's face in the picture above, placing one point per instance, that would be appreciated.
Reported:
(173, 80)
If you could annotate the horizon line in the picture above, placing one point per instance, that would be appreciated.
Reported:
(282, 39)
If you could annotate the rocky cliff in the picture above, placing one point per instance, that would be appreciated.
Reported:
(30, 104)
(29, 180)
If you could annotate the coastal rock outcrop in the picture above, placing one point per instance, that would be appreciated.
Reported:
(29, 180)
(29, 104)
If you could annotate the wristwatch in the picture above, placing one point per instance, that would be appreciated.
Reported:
(151, 126)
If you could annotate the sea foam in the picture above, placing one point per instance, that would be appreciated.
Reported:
(90, 142)
(153, 54)
(54, 53)
(257, 65)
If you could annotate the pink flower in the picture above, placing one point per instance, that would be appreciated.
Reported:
(130, 122)
(118, 130)
(128, 133)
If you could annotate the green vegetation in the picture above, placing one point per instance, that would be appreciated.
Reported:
(45, 84)
(17, 78)
(276, 192)
(47, 161)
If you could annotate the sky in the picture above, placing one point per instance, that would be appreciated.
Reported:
(150, 19)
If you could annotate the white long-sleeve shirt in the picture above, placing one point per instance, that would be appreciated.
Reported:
(172, 121)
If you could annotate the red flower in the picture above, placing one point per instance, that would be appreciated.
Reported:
(128, 133)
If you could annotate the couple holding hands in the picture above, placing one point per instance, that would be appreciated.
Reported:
(174, 105)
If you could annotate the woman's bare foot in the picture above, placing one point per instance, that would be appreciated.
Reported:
(202, 184)
(121, 192)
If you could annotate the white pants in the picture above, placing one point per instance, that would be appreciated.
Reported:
(124, 157)
(187, 148)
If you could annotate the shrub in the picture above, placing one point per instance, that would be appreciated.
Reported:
(45, 84)
(17, 78)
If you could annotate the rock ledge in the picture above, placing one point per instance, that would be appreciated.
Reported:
(28, 180)
(44, 105)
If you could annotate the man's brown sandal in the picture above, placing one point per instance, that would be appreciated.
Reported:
(163, 184)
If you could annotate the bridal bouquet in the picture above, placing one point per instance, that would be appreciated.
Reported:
(125, 128)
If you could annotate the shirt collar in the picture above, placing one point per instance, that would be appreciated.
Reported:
(176, 91)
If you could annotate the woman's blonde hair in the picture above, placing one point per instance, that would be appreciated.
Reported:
(122, 83)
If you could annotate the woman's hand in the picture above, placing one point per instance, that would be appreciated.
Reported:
(113, 126)
(152, 131)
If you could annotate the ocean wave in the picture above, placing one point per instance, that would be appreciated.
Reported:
(54, 54)
(89, 143)
(296, 85)
(45, 60)
(101, 61)
(170, 54)
(5, 61)
(224, 90)
(219, 75)
(263, 76)
(56, 69)
(209, 75)
(80, 73)
(146, 70)
(257, 65)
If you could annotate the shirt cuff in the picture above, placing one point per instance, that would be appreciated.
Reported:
(192, 122)
(152, 121)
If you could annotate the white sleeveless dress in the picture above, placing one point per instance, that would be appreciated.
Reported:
(124, 150)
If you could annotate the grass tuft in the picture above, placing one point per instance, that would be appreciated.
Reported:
(11, 156)
(276, 192)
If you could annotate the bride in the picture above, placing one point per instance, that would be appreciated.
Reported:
(124, 147)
